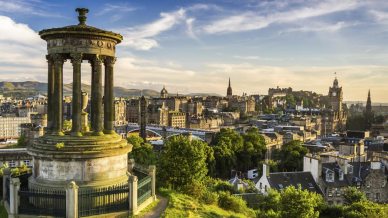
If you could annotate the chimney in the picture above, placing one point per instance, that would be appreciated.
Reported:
(265, 170)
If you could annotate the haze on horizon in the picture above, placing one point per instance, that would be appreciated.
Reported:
(195, 46)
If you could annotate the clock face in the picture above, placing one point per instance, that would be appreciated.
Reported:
(334, 93)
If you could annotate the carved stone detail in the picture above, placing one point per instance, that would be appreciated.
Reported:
(76, 58)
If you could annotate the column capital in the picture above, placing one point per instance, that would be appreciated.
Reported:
(76, 58)
(110, 61)
(49, 58)
(97, 60)
(58, 58)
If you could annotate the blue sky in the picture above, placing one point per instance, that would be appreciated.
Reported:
(194, 46)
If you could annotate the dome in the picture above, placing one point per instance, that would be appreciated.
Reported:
(163, 92)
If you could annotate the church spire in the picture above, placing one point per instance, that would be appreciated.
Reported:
(368, 103)
(229, 90)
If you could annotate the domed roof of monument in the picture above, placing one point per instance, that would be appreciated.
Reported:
(81, 29)
(164, 91)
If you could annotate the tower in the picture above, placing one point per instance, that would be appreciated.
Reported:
(163, 93)
(335, 96)
(229, 90)
(368, 112)
(90, 160)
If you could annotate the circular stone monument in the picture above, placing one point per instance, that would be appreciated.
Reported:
(92, 159)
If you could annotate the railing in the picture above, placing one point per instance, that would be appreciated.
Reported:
(103, 200)
(143, 189)
(42, 202)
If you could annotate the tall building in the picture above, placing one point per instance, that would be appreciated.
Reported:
(335, 116)
(143, 117)
(229, 90)
(368, 113)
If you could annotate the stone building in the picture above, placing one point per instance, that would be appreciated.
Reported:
(158, 114)
(177, 119)
(120, 107)
(10, 127)
(133, 110)
(335, 115)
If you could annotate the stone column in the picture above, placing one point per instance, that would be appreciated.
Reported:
(14, 196)
(96, 98)
(152, 173)
(72, 200)
(109, 110)
(50, 93)
(6, 174)
(133, 194)
(76, 60)
(57, 109)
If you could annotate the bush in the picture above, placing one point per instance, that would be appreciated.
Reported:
(223, 186)
(209, 197)
(195, 189)
(233, 203)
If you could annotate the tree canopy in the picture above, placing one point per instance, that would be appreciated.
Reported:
(290, 156)
(142, 152)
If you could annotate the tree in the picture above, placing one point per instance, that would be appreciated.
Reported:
(143, 153)
(67, 125)
(290, 156)
(253, 150)
(296, 202)
(22, 142)
(226, 145)
(183, 162)
(366, 209)
(352, 195)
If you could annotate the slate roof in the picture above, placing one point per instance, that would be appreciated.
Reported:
(360, 172)
(281, 180)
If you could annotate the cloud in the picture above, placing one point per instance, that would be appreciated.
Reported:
(322, 27)
(252, 20)
(107, 8)
(141, 37)
(31, 7)
(380, 16)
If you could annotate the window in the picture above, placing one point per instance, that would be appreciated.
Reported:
(261, 185)
(377, 196)
(330, 176)
(27, 162)
(11, 163)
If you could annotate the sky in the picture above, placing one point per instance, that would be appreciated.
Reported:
(193, 46)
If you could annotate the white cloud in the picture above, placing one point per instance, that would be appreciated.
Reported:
(322, 27)
(33, 7)
(117, 8)
(142, 37)
(251, 20)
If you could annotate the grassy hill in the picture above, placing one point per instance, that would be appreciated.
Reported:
(181, 205)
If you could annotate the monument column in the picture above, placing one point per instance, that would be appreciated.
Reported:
(50, 93)
(109, 96)
(76, 60)
(57, 102)
(96, 99)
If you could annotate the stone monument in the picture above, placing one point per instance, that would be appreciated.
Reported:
(95, 158)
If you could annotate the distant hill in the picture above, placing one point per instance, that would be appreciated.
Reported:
(29, 88)
(203, 94)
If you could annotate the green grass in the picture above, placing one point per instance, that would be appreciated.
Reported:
(181, 205)
(147, 209)
(3, 211)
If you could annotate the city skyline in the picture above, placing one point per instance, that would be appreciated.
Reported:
(196, 46)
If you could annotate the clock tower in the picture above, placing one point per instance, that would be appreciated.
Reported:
(335, 96)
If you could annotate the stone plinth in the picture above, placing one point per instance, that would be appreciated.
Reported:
(90, 161)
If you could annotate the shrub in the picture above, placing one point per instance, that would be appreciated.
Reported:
(233, 203)
(195, 189)
(60, 145)
(209, 197)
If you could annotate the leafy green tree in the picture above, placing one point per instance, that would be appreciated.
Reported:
(290, 156)
(352, 195)
(183, 162)
(253, 150)
(356, 122)
(143, 153)
(22, 142)
(226, 145)
(296, 202)
(365, 209)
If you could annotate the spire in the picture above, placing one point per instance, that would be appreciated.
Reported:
(368, 112)
(229, 90)
(368, 103)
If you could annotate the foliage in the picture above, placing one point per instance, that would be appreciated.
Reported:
(22, 142)
(60, 145)
(183, 161)
(143, 153)
(235, 152)
(352, 195)
(253, 150)
(67, 125)
(230, 202)
(365, 209)
(296, 202)
(356, 122)
(181, 205)
(290, 156)
(379, 119)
